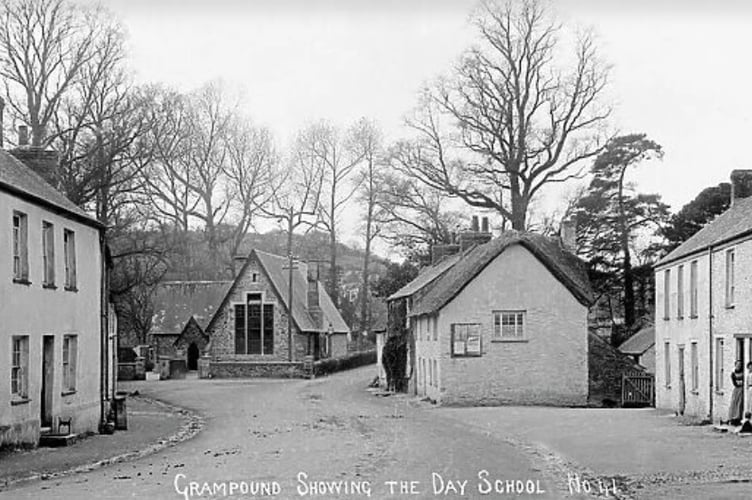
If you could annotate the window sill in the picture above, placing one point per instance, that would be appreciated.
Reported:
(718, 393)
(49, 286)
(21, 281)
(680, 317)
(696, 393)
(504, 341)
(19, 401)
(71, 289)
(730, 306)
(666, 318)
(668, 386)
(694, 316)
(68, 393)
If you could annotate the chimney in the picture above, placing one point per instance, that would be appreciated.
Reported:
(741, 184)
(237, 264)
(568, 234)
(484, 225)
(475, 236)
(314, 308)
(42, 161)
(23, 135)
(439, 251)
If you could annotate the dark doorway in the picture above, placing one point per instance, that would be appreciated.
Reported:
(316, 346)
(193, 356)
(48, 371)
(682, 384)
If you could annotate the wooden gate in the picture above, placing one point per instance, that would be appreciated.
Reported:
(637, 389)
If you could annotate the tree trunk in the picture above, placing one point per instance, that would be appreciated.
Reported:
(627, 278)
(519, 204)
(333, 279)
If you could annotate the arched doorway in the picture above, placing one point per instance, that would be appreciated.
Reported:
(193, 356)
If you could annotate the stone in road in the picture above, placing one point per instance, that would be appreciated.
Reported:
(298, 434)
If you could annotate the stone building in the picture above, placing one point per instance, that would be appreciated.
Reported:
(500, 322)
(249, 332)
(182, 311)
(56, 329)
(704, 311)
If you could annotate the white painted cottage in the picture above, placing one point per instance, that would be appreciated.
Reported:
(704, 311)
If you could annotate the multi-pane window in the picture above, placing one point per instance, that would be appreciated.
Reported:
(719, 371)
(680, 292)
(20, 247)
(695, 374)
(19, 369)
(667, 363)
(254, 326)
(466, 339)
(70, 355)
(48, 253)
(509, 325)
(667, 294)
(69, 250)
(693, 289)
(730, 258)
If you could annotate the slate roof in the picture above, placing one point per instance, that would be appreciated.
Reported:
(566, 267)
(275, 268)
(175, 302)
(733, 223)
(639, 342)
(17, 178)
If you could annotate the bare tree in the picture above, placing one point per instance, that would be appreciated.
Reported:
(337, 155)
(44, 46)
(369, 138)
(520, 120)
(252, 175)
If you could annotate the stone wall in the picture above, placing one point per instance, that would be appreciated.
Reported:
(249, 369)
(222, 330)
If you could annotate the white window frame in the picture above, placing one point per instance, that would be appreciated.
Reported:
(69, 250)
(693, 293)
(730, 265)
(680, 292)
(70, 362)
(667, 294)
(719, 368)
(19, 371)
(467, 340)
(514, 318)
(694, 366)
(48, 254)
(20, 246)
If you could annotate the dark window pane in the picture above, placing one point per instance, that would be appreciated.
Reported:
(268, 329)
(240, 329)
(254, 328)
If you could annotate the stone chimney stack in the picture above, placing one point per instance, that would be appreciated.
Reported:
(568, 234)
(42, 161)
(741, 184)
(475, 236)
(314, 307)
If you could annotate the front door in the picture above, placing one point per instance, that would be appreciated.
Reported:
(48, 371)
(193, 356)
(682, 385)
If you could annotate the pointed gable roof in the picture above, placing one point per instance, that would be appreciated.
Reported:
(275, 268)
(563, 265)
(20, 180)
(176, 302)
(733, 223)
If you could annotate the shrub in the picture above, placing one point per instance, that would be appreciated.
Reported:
(348, 362)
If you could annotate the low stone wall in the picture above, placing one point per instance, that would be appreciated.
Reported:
(250, 369)
(132, 371)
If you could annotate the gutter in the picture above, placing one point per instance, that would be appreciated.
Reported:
(710, 332)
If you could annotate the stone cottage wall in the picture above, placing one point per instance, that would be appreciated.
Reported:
(222, 330)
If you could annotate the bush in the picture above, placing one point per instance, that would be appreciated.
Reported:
(348, 362)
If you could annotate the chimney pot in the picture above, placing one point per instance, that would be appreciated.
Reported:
(23, 135)
(484, 225)
(741, 184)
(474, 225)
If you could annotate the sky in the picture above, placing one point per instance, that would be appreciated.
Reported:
(681, 70)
